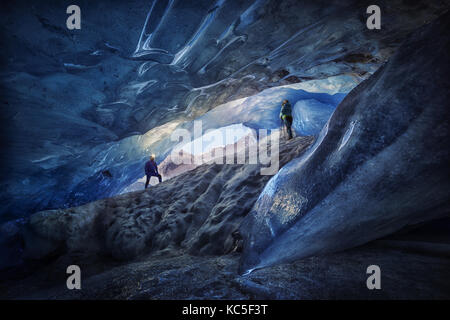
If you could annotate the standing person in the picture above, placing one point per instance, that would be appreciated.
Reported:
(286, 116)
(151, 170)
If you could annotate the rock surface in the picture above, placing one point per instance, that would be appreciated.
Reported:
(174, 274)
(199, 211)
(379, 164)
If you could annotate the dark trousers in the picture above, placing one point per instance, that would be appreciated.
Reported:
(288, 123)
(152, 175)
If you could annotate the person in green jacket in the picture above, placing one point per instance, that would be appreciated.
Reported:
(286, 117)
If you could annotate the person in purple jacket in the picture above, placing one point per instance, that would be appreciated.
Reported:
(151, 170)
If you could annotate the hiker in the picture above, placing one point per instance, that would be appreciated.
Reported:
(286, 116)
(151, 170)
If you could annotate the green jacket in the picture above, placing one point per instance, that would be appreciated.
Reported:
(286, 110)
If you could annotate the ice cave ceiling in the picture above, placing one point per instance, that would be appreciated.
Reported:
(77, 103)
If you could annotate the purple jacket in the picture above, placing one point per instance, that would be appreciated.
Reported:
(151, 168)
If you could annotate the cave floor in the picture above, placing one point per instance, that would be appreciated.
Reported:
(407, 272)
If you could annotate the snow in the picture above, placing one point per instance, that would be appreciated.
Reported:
(311, 109)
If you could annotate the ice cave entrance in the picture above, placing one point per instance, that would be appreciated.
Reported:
(216, 138)
(313, 104)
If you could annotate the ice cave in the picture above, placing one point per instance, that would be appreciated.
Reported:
(364, 180)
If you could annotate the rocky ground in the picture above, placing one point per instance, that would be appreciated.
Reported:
(175, 274)
(172, 243)
(199, 211)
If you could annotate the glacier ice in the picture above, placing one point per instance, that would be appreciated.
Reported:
(167, 62)
(379, 164)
